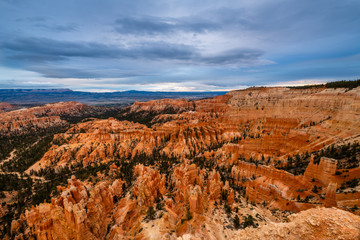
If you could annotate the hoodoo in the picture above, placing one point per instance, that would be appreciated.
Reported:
(233, 166)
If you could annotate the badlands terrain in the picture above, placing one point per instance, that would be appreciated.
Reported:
(259, 163)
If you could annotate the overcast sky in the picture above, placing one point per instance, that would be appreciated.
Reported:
(170, 45)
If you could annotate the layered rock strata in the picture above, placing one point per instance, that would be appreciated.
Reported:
(32, 119)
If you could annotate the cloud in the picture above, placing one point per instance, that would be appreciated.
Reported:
(48, 47)
(8, 84)
(219, 43)
(42, 50)
(57, 27)
(47, 24)
(242, 57)
(159, 25)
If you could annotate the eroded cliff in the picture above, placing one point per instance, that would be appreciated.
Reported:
(208, 168)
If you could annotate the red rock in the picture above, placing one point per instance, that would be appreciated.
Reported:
(324, 171)
(330, 197)
(269, 122)
(28, 120)
(195, 199)
(74, 215)
(149, 186)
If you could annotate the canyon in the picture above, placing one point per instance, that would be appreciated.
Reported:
(26, 120)
(259, 163)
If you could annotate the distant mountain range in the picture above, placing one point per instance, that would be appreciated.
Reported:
(43, 96)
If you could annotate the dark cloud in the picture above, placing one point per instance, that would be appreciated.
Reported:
(61, 72)
(43, 47)
(235, 56)
(160, 51)
(157, 25)
(32, 58)
(293, 20)
(217, 43)
(57, 27)
(46, 50)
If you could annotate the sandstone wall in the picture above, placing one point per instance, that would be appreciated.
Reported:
(32, 119)
(324, 171)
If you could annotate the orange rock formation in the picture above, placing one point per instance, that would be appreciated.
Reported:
(269, 123)
(81, 212)
(25, 120)
(324, 171)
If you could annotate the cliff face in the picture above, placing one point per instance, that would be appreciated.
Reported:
(283, 190)
(212, 160)
(265, 122)
(159, 106)
(330, 200)
(273, 121)
(270, 122)
(324, 171)
(32, 119)
(277, 188)
(287, 117)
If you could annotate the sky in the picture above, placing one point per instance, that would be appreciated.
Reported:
(177, 45)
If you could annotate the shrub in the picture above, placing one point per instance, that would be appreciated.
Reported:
(249, 221)
(315, 189)
(2, 195)
(224, 195)
(343, 84)
(227, 209)
(150, 213)
(159, 206)
(353, 183)
(236, 221)
(188, 215)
